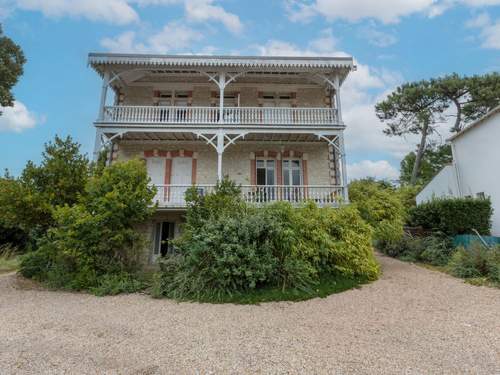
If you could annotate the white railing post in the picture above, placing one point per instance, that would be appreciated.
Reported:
(337, 99)
(345, 193)
(104, 94)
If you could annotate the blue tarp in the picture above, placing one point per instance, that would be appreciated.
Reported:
(466, 240)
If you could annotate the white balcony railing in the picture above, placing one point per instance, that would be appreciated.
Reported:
(174, 195)
(156, 115)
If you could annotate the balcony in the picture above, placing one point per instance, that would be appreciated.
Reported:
(173, 196)
(231, 116)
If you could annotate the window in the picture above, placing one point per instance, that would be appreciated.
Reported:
(265, 172)
(292, 172)
(481, 195)
(164, 233)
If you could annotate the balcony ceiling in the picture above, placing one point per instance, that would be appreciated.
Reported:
(188, 136)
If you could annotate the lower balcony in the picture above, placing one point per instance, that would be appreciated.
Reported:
(173, 196)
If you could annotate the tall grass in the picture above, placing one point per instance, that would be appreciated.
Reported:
(9, 258)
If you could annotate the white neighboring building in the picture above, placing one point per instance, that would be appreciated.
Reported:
(475, 171)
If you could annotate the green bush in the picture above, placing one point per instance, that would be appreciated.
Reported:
(453, 216)
(476, 262)
(116, 284)
(435, 250)
(228, 247)
(97, 237)
(381, 206)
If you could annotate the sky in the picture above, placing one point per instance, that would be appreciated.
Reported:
(392, 42)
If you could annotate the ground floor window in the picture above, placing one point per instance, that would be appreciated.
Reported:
(292, 172)
(265, 172)
(164, 234)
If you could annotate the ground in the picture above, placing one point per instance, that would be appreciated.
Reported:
(412, 321)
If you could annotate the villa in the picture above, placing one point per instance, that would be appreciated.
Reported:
(272, 124)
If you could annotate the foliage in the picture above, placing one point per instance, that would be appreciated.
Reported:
(472, 97)
(96, 237)
(228, 248)
(433, 160)
(9, 259)
(113, 284)
(11, 68)
(61, 176)
(379, 205)
(453, 216)
(408, 196)
(28, 202)
(435, 250)
(476, 262)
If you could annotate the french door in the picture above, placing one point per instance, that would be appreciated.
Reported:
(156, 172)
(292, 180)
(181, 175)
(266, 179)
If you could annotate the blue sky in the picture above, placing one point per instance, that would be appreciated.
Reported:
(392, 41)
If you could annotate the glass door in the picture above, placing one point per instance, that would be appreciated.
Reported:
(266, 175)
(292, 180)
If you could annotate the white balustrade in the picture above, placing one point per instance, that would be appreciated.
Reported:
(163, 115)
(323, 195)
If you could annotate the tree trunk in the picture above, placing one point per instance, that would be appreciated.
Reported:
(456, 128)
(420, 154)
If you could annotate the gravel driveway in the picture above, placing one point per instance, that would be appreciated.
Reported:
(411, 321)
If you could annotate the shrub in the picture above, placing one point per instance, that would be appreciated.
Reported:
(116, 284)
(453, 216)
(380, 206)
(435, 250)
(228, 247)
(96, 237)
(476, 262)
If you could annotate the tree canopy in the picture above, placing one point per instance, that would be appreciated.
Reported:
(11, 68)
(471, 97)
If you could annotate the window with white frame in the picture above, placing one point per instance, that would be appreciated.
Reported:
(292, 172)
(266, 171)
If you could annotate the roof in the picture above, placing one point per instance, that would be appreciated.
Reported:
(252, 62)
(475, 123)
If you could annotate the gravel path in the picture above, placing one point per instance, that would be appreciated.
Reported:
(411, 321)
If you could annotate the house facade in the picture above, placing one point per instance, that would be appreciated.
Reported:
(474, 171)
(272, 124)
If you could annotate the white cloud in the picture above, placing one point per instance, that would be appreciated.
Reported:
(378, 38)
(380, 170)
(323, 45)
(173, 37)
(16, 118)
(201, 11)
(113, 11)
(205, 10)
(386, 11)
(489, 30)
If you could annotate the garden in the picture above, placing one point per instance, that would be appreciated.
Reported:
(72, 224)
(432, 233)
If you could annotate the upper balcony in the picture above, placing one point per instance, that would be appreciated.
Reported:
(231, 116)
(172, 91)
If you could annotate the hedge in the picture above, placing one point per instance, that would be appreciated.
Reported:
(453, 216)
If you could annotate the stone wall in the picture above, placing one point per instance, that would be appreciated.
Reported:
(236, 162)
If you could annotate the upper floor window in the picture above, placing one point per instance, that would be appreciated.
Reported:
(171, 98)
(272, 99)
(230, 99)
